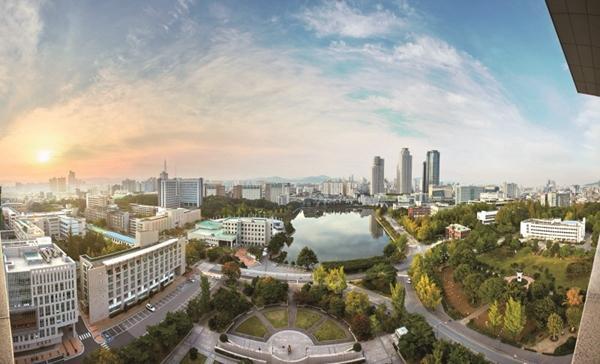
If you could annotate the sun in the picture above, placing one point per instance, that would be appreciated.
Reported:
(43, 156)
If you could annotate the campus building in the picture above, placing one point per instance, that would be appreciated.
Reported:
(237, 231)
(457, 231)
(487, 217)
(164, 219)
(554, 229)
(42, 292)
(48, 222)
(113, 282)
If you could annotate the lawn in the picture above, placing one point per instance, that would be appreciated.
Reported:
(253, 327)
(502, 259)
(329, 330)
(277, 318)
(199, 360)
(305, 319)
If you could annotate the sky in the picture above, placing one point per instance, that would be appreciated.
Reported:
(242, 89)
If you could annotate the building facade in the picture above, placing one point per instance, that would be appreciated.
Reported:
(237, 231)
(457, 231)
(467, 193)
(487, 217)
(115, 281)
(554, 229)
(378, 176)
(72, 226)
(404, 173)
(433, 168)
(42, 292)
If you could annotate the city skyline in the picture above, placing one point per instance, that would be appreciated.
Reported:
(316, 80)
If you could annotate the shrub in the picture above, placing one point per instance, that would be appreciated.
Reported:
(567, 348)
(193, 353)
(357, 347)
(223, 338)
(355, 265)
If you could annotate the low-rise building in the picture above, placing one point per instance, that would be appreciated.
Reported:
(487, 217)
(554, 229)
(237, 231)
(41, 281)
(457, 231)
(113, 282)
(72, 226)
(416, 212)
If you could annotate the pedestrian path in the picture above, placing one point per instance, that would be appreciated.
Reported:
(475, 314)
(87, 335)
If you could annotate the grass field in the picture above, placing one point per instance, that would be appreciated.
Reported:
(253, 327)
(306, 318)
(502, 259)
(277, 318)
(199, 360)
(329, 330)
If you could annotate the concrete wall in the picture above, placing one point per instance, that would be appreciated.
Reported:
(98, 293)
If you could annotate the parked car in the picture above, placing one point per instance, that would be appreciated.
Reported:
(150, 307)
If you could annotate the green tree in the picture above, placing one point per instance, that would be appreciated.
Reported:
(232, 271)
(102, 356)
(419, 340)
(336, 280)
(494, 321)
(514, 318)
(398, 294)
(555, 325)
(428, 292)
(379, 277)
(268, 290)
(319, 275)
(357, 303)
(307, 258)
(204, 294)
(492, 289)
(461, 272)
(471, 285)
(540, 310)
(573, 314)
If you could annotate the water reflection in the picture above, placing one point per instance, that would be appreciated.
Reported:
(338, 235)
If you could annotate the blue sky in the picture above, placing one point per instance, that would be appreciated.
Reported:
(239, 89)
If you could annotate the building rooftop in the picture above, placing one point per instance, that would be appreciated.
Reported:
(25, 255)
(458, 227)
(133, 253)
(554, 222)
(112, 235)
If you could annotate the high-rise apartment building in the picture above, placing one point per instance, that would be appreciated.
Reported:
(511, 190)
(404, 172)
(58, 185)
(72, 181)
(214, 189)
(277, 192)
(42, 293)
(433, 168)
(377, 176)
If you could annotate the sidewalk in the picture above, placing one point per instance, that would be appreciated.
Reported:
(70, 347)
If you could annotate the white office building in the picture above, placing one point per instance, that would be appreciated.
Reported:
(251, 192)
(180, 192)
(487, 217)
(41, 281)
(554, 229)
(237, 231)
(72, 226)
(467, 193)
(115, 281)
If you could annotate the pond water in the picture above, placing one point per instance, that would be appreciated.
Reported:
(338, 235)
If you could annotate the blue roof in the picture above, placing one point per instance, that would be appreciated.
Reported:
(113, 235)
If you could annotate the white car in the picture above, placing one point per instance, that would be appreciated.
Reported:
(150, 307)
(408, 280)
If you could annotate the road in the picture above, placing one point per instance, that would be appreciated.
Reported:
(446, 328)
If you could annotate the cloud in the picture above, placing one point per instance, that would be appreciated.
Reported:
(337, 18)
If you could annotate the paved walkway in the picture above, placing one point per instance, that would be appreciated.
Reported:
(475, 314)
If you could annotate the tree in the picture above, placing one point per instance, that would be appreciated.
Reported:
(514, 318)
(494, 321)
(492, 289)
(573, 317)
(574, 298)
(471, 285)
(428, 292)
(361, 327)
(540, 310)
(555, 325)
(232, 271)
(336, 280)
(379, 277)
(102, 356)
(268, 290)
(419, 340)
(398, 294)
(307, 258)
(357, 303)
(319, 275)
(461, 272)
(204, 294)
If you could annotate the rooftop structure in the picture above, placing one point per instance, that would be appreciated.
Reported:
(487, 217)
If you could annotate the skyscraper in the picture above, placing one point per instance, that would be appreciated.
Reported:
(433, 168)
(404, 172)
(179, 192)
(424, 184)
(377, 176)
(71, 181)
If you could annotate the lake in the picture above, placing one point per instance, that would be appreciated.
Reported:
(338, 235)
